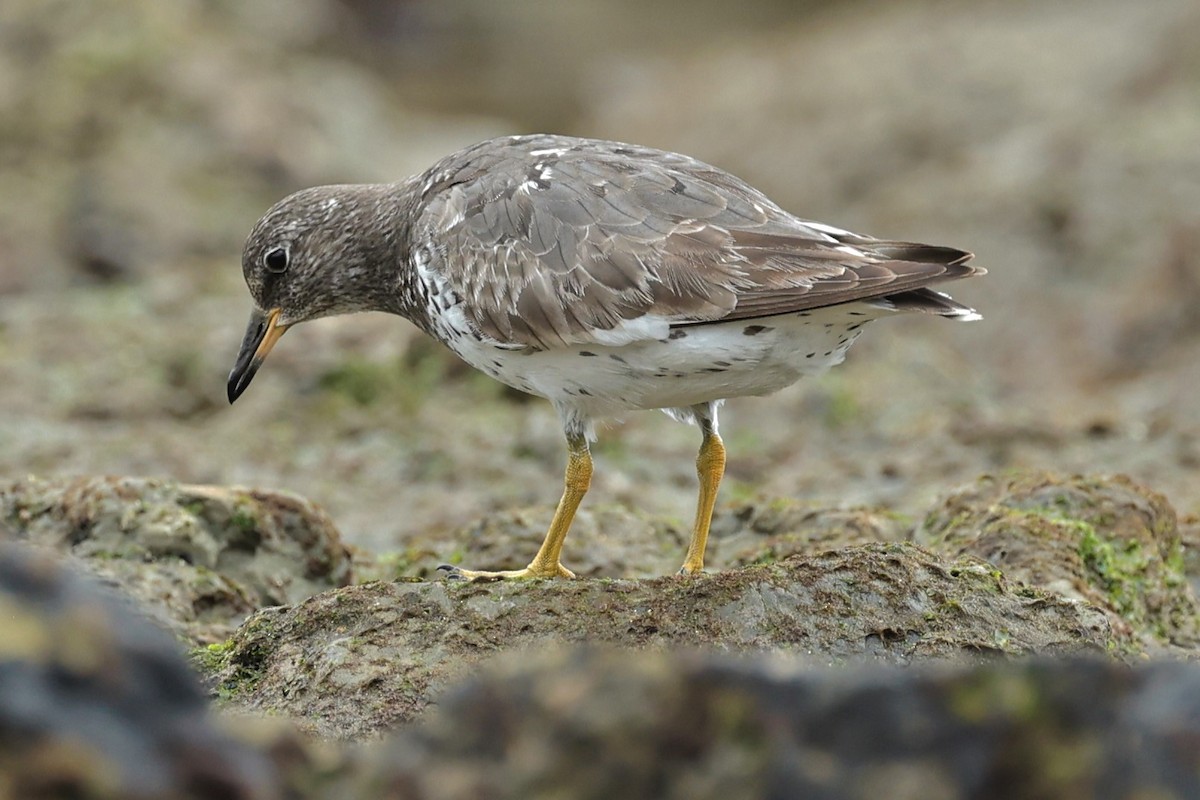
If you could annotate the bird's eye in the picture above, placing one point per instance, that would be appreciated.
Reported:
(276, 260)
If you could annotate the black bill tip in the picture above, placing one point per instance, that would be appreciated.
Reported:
(262, 333)
(240, 378)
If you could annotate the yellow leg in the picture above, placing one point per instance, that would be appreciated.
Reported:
(710, 467)
(547, 564)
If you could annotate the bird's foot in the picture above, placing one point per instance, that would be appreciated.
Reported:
(691, 569)
(454, 573)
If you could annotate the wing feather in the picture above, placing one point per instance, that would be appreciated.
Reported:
(584, 241)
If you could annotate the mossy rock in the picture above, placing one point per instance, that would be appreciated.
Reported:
(1105, 540)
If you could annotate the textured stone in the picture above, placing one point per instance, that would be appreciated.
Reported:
(200, 558)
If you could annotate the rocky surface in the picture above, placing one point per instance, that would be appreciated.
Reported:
(1109, 542)
(95, 702)
(657, 725)
(138, 145)
(865, 661)
(356, 660)
(200, 558)
(610, 541)
(139, 141)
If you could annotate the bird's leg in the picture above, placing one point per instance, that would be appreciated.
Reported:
(546, 563)
(710, 467)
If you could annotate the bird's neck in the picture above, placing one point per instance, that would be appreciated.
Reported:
(384, 250)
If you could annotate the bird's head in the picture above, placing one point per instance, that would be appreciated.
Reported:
(319, 252)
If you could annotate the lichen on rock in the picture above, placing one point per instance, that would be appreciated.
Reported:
(201, 558)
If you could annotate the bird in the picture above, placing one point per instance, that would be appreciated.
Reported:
(603, 276)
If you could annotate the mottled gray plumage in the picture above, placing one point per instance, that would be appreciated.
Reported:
(550, 239)
(603, 276)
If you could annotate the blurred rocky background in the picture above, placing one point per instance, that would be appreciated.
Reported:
(139, 141)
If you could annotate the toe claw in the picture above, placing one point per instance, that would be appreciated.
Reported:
(453, 573)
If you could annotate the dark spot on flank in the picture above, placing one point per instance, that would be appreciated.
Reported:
(713, 369)
(810, 355)
(678, 187)
(678, 333)
(754, 330)
(804, 314)
(856, 313)
(828, 352)
(855, 326)
(622, 151)
(617, 358)
(722, 364)
(828, 324)
(585, 393)
(587, 353)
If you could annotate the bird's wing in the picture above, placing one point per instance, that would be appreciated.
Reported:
(553, 241)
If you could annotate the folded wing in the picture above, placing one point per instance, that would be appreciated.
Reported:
(557, 241)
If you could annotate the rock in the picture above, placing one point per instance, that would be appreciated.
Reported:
(349, 662)
(1108, 541)
(1189, 534)
(96, 702)
(755, 533)
(590, 724)
(200, 558)
(606, 541)
(611, 541)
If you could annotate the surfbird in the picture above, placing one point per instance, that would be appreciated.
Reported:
(605, 277)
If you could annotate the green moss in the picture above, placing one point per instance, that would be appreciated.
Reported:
(1120, 569)
(211, 659)
(363, 382)
(391, 565)
(995, 695)
(983, 575)
(236, 664)
(767, 556)
(243, 519)
(899, 517)
(194, 507)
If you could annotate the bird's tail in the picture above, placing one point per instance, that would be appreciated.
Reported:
(928, 301)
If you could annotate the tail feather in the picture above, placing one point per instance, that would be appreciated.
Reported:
(928, 301)
(909, 251)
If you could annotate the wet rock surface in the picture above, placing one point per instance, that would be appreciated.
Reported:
(353, 661)
(139, 140)
(661, 725)
(853, 667)
(1107, 541)
(200, 558)
(96, 702)
(610, 541)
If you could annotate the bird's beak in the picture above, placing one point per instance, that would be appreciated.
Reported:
(262, 333)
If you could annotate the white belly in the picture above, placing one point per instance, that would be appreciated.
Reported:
(699, 364)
